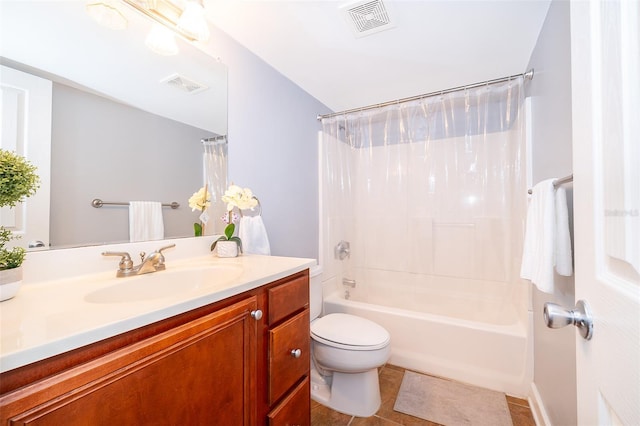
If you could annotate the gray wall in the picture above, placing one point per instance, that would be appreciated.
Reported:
(550, 90)
(104, 149)
(273, 147)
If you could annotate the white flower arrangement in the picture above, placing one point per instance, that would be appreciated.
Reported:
(200, 200)
(241, 199)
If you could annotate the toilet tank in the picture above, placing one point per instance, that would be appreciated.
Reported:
(315, 291)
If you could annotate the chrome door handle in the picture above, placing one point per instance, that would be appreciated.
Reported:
(555, 316)
(296, 353)
(257, 314)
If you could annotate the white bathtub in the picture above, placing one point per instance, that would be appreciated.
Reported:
(482, 339)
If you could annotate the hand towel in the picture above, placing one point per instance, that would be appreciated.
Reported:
(145, 221)
(253, 235)
(564, 258)
(538, 256)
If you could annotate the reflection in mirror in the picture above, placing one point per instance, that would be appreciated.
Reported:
(117, 132)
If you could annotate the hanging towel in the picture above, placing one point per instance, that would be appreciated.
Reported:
(145, 221)
(547, 242)
(253, 235)
(539, 243)
(564, 258)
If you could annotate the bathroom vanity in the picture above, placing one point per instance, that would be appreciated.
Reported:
(232, 354)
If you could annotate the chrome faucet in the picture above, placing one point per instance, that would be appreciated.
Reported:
(152, 263)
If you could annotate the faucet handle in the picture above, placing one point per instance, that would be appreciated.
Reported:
(161, 256)
(166, 247)
(125, 265)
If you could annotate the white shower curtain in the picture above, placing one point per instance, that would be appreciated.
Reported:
(214, 166)
(431, 189)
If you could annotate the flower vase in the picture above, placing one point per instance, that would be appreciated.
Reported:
(227, 249)
(10, 282)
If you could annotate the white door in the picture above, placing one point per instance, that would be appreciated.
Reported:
(605, 57)
(25, 128)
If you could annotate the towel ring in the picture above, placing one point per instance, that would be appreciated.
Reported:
(259, 207)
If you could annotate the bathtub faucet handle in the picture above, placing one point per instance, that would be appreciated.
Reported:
(342, 250)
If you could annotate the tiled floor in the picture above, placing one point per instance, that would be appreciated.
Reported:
(390, 380)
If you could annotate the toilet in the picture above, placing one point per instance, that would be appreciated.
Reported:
(346, 352)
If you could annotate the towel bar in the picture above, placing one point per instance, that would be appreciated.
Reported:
(558, 182)
(97, 203)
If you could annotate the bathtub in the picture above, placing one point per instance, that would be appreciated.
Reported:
(482, 339)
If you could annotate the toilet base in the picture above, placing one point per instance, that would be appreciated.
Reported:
(355, 394)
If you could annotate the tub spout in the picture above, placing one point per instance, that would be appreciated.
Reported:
(349, 282)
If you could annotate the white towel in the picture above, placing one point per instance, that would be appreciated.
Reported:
(145, 221)
(564, 259)
(547, 243)
(253, 235)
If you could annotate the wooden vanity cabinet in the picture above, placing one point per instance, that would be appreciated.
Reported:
(289, 343)
(207, 366)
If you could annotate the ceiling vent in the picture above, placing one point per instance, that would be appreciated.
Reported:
(367, 17)
(183, 83)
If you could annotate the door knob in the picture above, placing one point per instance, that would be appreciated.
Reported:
(555, 316)
(257, 314)
(296, 353)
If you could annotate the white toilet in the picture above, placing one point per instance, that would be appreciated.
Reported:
(346, 352)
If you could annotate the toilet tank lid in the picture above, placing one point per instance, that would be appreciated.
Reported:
(350, 330)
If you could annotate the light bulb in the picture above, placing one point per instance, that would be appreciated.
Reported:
(192, 21)
(161, 40)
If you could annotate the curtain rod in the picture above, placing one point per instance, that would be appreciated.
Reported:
(215, 139)
(526, 75)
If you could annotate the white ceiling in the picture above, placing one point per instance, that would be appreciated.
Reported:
(435, 45)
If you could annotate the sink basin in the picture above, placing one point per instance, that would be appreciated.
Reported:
(163, 284)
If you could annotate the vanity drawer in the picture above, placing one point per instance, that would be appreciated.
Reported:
(295, 409)
(285, 369)
(287, 298)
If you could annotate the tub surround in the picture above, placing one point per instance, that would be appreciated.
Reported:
(53, 312)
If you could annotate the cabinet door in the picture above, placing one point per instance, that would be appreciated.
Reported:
(202, 372)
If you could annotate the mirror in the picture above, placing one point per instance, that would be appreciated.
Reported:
(120, 132)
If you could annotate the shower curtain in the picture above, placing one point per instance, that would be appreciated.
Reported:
(214, 166)
(426, 191)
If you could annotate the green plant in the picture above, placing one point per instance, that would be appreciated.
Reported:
(10, 258)
(228, 236)
(18, 180)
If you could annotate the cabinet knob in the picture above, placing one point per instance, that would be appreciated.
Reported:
(296, 353)
(257, 314)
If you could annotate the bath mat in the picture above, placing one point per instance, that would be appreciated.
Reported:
(451, 403)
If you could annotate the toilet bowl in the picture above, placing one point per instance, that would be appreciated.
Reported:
(346, 352)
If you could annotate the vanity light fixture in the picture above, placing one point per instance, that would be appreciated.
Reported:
(162, 40)
(107, 14)
(192, 21)
(185, 17)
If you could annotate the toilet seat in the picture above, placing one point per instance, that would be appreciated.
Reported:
(349, 332)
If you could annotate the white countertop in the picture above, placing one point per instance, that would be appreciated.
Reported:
(47, 318)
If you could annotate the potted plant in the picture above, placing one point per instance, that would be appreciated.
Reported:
(18, 180)
(235, 197)
(201, 201)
